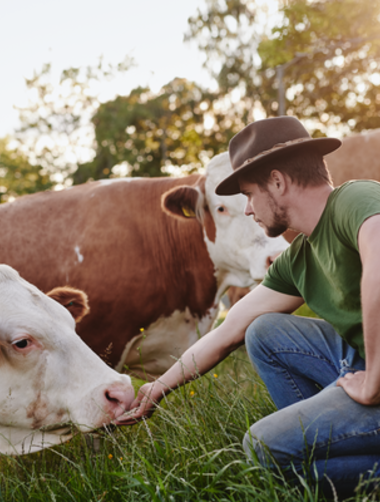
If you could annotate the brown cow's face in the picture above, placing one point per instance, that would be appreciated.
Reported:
(238, 247)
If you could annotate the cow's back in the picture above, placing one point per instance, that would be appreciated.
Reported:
(112, 240)
(357, 158)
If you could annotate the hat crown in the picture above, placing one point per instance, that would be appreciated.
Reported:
(263, 135)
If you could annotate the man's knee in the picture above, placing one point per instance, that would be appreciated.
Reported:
(256, 446)
(261, 331)
(276, 440)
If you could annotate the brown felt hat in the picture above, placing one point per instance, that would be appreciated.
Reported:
(266, 140)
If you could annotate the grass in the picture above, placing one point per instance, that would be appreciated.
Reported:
(190, 450)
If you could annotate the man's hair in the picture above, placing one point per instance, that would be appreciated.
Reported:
(303, 168)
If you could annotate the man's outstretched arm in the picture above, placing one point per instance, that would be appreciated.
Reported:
(211, 348)
(364, 386)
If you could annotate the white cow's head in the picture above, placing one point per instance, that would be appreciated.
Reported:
(238, 246)
(49, 378)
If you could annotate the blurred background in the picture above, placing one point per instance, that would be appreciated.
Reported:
(94, 89)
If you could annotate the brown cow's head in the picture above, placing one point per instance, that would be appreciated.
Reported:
(188, 201)
(238, 247)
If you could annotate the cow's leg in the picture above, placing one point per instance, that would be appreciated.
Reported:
(326, 436)
(296, 357)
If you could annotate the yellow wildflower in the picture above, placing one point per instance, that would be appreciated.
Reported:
(110, 456)
(215, 375)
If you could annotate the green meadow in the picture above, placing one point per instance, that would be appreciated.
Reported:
(189, 450)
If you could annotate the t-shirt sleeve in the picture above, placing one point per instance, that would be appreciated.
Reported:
(279, 277)
(356, 202)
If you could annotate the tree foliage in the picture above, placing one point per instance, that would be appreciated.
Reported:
(329, 52)
(17, 175)
(147, 134)
(228, 34)
(56, 130)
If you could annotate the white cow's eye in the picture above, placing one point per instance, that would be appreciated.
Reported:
(221, 209)
(21, 344)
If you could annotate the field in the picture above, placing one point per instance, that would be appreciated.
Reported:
(190, 450)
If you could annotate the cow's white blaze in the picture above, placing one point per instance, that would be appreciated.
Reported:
(241, 247)
(48, 376)
(80, 257)
(165, 340)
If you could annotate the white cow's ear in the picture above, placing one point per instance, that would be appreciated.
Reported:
(181, 202)
(75, 300)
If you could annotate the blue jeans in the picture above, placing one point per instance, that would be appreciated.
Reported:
(318, 427)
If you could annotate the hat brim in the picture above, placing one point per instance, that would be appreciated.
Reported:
(323, 146)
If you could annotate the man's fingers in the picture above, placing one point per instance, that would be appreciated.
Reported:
(134, 415)
(348, 376)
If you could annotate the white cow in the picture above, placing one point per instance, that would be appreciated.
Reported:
(49, 378)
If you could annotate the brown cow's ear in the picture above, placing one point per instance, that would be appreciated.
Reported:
(181, 202)
(75, 300)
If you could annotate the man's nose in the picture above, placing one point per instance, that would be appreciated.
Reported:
(248, 209)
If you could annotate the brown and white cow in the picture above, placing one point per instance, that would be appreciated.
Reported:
(357, 158)
(154, 281)
(50, 379)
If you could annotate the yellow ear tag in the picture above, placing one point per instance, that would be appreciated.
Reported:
(189, 213)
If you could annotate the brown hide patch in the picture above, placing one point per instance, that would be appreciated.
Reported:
(74, 300)
(209, 224)
(145, 264)
(180, 202)
(207, 220)
(290, 235)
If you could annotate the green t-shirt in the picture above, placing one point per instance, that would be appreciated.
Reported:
(325, 268)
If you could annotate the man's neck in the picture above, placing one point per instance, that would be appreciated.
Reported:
(306, 207)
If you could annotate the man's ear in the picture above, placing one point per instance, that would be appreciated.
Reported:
(278, 181)
(75, 300)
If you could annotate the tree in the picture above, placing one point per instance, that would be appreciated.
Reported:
(148, 134)
(56, 131)
(328, 52)
(228, 34)
(17, 175)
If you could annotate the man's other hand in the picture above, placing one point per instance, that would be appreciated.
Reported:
(356, 386)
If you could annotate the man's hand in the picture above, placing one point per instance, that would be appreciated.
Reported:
(355, 386)
(144, 405)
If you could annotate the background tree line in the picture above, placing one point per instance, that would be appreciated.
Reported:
(318, 60)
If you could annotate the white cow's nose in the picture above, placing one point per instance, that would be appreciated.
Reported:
(118, 399)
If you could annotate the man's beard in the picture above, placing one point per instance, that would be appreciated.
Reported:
(280, 219)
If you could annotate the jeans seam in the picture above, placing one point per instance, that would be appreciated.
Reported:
(316, 446)
(295, 387)
(303, 353)
(342, 437)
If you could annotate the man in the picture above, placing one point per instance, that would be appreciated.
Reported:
(323, 374)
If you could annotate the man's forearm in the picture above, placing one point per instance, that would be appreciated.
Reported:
(200, 358)
(371, 328)
(207, 352)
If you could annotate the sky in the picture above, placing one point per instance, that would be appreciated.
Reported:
(74, 33)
